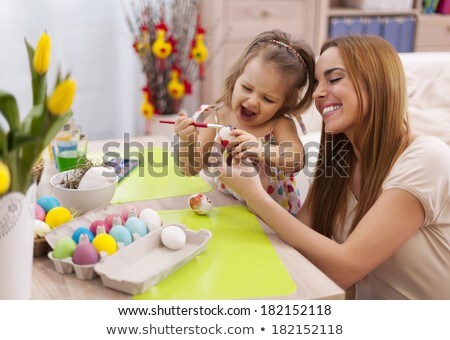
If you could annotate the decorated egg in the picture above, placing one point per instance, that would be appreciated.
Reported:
(40, 228)
(136, 225)
(129, 211)
(48, 203)
(39, 213)
(200, 204)
(58, 216)
(64, 248)
(109, 220)
(80, 231)
(105, 243)
(151, 218)
(121, 234)
(85, 253)
(224, 134)
(173, 237)
(95, 224)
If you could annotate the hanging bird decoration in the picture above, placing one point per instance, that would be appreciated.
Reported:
(142, 42)
(162, 47)
(175, 87)
(147, 107)
(199, 52)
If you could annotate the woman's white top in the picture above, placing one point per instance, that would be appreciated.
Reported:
(420, 269)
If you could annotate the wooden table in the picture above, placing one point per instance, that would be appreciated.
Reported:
(48, 284)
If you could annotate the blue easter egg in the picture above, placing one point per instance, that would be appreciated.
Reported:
(48, 203)
(136, 225)
(82, 230)
(121, 234)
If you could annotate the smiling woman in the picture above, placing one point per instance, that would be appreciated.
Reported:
(374, 218)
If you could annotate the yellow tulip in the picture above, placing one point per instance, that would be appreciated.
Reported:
(5, 178)
(41, 59)
(61, 99)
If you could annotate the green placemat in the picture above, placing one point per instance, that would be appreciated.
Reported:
(239, 261)
(154, 180)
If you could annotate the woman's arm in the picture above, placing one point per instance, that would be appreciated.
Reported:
(287, 155)
(392, 220)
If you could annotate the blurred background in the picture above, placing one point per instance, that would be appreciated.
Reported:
(90, 39)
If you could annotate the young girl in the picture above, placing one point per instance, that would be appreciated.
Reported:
(271, 81)
(385, 226)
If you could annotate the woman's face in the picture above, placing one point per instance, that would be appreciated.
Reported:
(259, 92)
(335, 96)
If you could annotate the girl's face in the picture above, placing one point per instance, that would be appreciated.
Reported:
(335, 96)
(259, 92)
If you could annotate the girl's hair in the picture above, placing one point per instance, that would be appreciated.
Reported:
(380, 136)
(293, 58)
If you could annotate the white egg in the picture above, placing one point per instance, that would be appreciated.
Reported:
(200, 204)
(97, 177)
(151, 218)
(224, 134)
(173, 237)
(41, 228)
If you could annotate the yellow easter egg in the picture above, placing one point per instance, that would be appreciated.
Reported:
(57, 216)
(106, 243)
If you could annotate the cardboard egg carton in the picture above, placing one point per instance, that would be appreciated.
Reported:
(135, 268)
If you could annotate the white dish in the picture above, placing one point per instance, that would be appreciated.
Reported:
(82, 200)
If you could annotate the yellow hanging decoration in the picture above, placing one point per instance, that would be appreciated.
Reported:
(147, 108)
(160, 47)
(176, 88)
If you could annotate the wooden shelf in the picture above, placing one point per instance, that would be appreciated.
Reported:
(345, 11)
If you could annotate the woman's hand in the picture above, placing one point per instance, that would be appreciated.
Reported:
(243, 178)
(184, 129)
(245, 145)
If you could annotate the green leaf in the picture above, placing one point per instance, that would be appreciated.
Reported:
(3, 144)
(58, 77)
(19, 140)
(9, 109)
(35, 125)
(56, 124)
(35, 115)
(38, 82)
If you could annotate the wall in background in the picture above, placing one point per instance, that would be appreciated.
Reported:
(92, 40)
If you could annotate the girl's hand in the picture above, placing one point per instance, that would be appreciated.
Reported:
(184, 129)
(245, 146)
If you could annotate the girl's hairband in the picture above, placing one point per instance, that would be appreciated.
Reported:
(290, 49)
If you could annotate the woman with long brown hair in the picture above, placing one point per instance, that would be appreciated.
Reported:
(377, 215)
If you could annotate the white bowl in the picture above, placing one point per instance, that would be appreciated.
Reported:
(80, 201)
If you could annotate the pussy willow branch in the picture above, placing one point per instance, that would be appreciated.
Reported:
(181, 20)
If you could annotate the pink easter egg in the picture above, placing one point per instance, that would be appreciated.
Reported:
(39, 213)
(85, 253)
(97, 223)
(110, 219)
(126, 212)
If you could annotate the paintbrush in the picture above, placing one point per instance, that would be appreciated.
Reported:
(201, 125)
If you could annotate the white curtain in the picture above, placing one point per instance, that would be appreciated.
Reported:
(89, 38)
